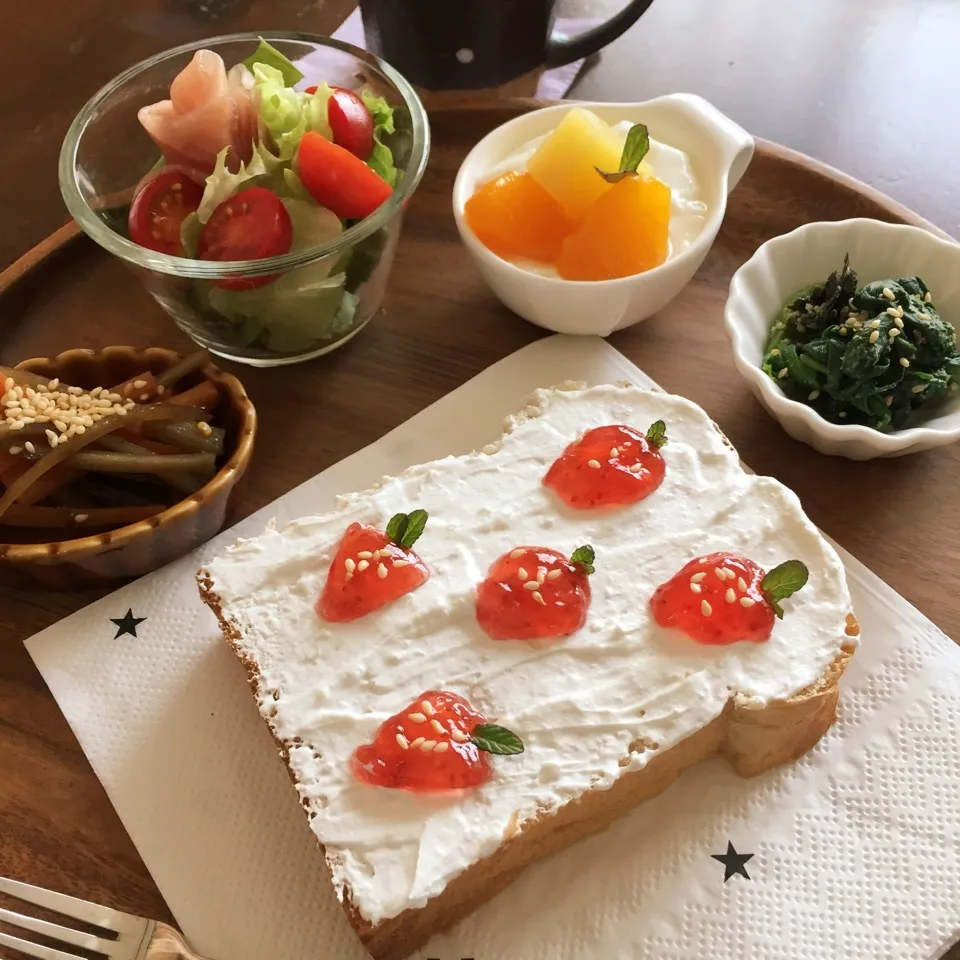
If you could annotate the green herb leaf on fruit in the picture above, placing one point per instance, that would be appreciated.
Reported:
(416, 522)
(404, 529)
(492, 738)
(584, 557)
(397, 527)
(635, 148)
(270, 56)
(784, 581)
(657, 434)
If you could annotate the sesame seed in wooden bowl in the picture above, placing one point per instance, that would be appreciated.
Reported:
(54, 534)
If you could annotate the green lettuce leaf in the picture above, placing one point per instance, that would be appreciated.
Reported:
(190, 234)
(381, 161)
(223, 184)
(288, 114)
(289, 306)
(312, 226)
(280, 106)
(270, 56)
(293, 187)
(344, 317)
(381, 110)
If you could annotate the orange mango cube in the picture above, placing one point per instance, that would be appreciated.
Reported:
(626, 231)
(517, 219)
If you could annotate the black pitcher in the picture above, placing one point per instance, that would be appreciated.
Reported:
(476, 44)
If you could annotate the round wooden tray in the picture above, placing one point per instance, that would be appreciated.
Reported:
(439, 327)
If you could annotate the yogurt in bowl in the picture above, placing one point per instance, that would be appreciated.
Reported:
(688, 212)
(694, 150)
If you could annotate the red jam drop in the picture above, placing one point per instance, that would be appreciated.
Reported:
(607, 466)
(367, 572)
(426, 747)
(716, 599)
(532, 593)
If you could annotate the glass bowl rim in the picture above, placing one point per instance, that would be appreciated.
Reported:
(133, 253)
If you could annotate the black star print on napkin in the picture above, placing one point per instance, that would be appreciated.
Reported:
(733, 862)
(127, 624)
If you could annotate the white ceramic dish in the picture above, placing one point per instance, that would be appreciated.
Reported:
(719, 151)
(877, 250)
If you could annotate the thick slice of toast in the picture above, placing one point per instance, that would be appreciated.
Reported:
(610, 716)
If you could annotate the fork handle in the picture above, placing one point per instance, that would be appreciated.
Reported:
(168, 944)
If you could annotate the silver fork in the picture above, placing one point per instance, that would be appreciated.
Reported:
(137, 937)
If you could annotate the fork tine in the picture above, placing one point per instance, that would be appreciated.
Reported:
(34, 949)
(91, 913)
(76, 938)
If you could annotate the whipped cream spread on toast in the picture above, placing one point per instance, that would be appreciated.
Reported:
(577, 703)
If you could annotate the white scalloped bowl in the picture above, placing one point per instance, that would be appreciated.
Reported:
(786, 263)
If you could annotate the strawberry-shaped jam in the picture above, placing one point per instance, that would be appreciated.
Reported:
(534, 592)
(438, 742)
(722, 598)
(372, 568)
(609, 466)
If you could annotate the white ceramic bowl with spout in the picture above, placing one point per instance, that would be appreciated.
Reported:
(719, 152)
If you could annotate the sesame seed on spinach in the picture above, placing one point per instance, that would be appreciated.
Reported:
(869, 355)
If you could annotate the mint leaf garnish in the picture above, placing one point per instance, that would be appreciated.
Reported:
(404, 529)
(493, 738)
(657, 434)
(584, 557)
(636, 147)
(397, 527)
(416, 521)
(784, 581)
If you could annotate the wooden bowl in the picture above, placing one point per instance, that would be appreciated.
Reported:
(140, 547)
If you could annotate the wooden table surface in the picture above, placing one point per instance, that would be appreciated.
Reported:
(815, 85)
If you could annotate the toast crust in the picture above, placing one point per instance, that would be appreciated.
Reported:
(753, 736)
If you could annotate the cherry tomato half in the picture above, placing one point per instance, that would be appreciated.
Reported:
(338, 180)
(351, 122)
(160, 206)
(251, 225)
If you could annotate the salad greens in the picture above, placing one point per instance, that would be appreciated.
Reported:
(267, 55)
(869, 355)
(382, 160)
(313, 303)
(287, 113)
(301, 306)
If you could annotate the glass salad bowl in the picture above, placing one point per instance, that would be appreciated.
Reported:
(280, 308)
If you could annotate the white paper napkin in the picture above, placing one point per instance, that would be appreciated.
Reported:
(855, 848)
